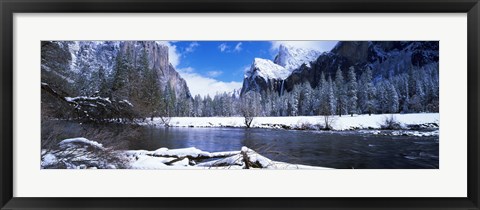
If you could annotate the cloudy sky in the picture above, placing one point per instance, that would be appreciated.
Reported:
(218, 66)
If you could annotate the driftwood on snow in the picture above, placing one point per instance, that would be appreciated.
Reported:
(243, 157)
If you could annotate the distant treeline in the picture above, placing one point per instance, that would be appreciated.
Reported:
(411, 92)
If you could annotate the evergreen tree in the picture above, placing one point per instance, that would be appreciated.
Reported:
(392, 98)
(327, 98)
(169, 101)
(150, 92)
(305, 107)
(104, 89)
(369, 92)
(293, 101)
(208, 107)
(197, 106)
(352, 91)
(340, 93)
(119, 89)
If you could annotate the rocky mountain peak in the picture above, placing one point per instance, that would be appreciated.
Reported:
(158, 60)
(267, 74)
(291, 57)
(266, 69)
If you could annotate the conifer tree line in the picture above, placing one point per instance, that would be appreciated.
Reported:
(343, 93)
(415, 91)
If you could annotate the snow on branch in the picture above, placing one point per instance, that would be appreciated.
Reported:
(96, 109)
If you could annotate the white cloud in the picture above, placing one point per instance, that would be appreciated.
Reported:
(321, 46)
(238, 47)
(246, 69)
(223, 47)
(173, 54)
(191, 47)
(214, 73)
(186, 70)
(204, 85)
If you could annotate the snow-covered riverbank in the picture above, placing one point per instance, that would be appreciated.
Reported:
(81, 153)
(431, 120)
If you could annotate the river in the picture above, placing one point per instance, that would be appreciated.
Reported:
(334, 149)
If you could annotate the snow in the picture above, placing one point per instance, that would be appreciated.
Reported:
(185, 152)
(244, 149)
(292, 58)
(73, 99)
(237, 162)
(266, 69)
(127, 102)
(401, 133)
(184, 162)
(415, 133)
(148, 162)
(48, 160)
(345, 122)
(81, 141)
(288, 59)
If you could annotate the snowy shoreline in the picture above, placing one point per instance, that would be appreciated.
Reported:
(82, 153)
(346, 122)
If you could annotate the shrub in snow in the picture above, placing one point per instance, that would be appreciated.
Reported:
(81, 153)
(390, 123)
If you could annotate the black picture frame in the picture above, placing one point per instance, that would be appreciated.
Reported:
(10, 7)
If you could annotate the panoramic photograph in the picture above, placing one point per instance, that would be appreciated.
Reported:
(231, 105)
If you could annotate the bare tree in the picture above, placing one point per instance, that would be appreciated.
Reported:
(250, 107)
(328, 121)
(165, 120)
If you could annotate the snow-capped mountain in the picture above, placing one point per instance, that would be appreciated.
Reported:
(266, 74)
(292, 58)
(386, 59)
(263, 74)
(266, 69)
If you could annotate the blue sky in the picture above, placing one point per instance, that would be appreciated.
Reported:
(218, 66)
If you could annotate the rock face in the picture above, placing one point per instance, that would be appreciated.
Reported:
(385, 58)
(291, 58)
(263, 74)
(353, 51)
(158, 60)
(65, 58)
